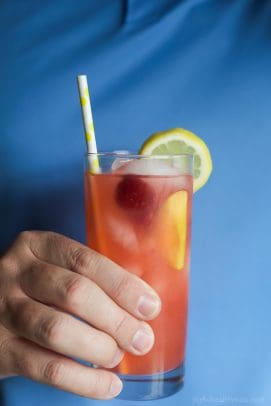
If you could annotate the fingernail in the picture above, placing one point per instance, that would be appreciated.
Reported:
(116, 387)
(118, 357)
(148, 305)
(142, 341)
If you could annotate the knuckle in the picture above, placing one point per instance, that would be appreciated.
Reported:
(19, 314)
(121, 324)
(48, 330)
(75, 289)
(54, 372)
(29, 274)
(85, 259)
(6, 263)
(8, 266)
(4, 347)
(8, 359)
(52, 238)
(25, 240)
(23, 365)
(51, 234)
(4, 292)
(81, 258)
(25, 236)
(2, 303)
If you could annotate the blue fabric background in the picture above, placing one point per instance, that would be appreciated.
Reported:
(204, 65)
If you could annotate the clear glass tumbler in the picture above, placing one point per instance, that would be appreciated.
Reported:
(138, 214)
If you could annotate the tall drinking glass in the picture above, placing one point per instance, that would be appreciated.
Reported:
(138, 214)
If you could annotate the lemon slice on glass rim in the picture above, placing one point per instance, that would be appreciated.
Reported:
(180, 141)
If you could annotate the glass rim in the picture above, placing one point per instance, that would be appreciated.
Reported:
(137, 155)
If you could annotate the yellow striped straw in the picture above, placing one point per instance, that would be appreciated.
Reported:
(88, 123)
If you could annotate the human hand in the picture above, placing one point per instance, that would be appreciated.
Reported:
(45, 280)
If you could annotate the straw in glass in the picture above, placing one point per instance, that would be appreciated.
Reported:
(93, 160)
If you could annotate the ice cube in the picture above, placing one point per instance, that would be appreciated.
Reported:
(119, 162)
(143, 187)
(148, 166)
(123, 234)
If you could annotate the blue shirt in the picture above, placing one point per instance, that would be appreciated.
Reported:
(199, 64)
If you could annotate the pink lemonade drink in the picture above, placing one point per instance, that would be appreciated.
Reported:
(139, 216)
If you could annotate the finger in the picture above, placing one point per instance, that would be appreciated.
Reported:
(82, 297)
(47, 367)
(5, 337)
(60, 332)
(126, 289)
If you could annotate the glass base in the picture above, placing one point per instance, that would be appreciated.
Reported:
(150, 387)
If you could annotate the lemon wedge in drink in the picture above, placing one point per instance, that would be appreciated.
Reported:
(180, 141)
(171, 229)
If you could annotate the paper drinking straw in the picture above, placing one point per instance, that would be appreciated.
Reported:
(88, 123)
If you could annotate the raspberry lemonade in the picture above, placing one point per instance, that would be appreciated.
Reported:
(138, 213)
